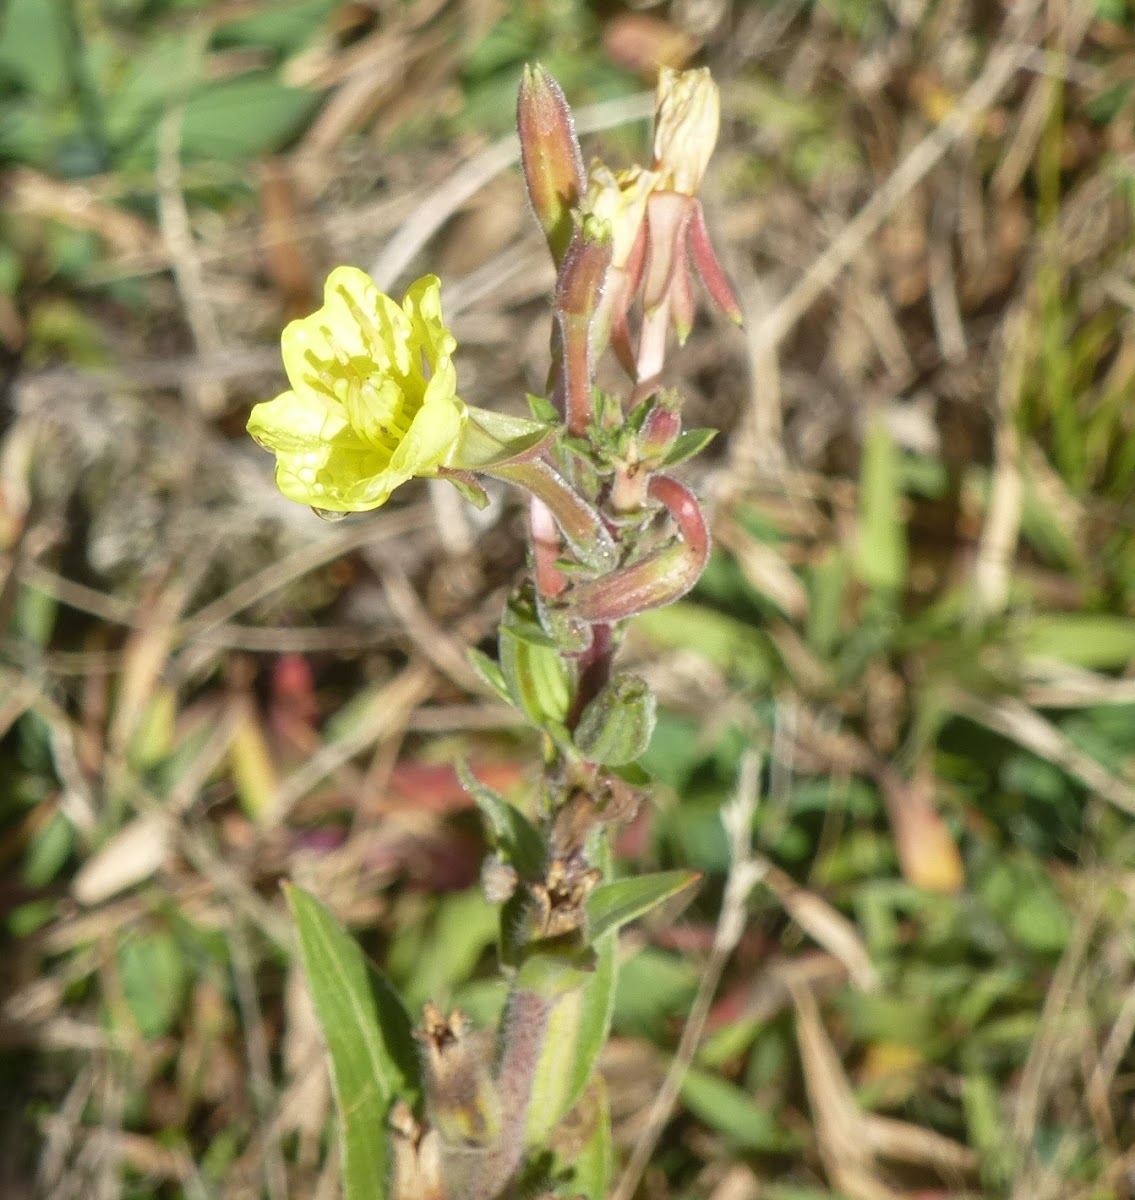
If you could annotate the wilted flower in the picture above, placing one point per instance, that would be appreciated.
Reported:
(687, 117)
(373, 400)
(618, 199)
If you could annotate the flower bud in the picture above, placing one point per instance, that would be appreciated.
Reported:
(660, 578)
(583, 274)
(616, 727)
(549, 151)
(687, 116)
(661, 428)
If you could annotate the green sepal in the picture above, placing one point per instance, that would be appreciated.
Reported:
(512, 834)
(469, 488)
(633, 774)
(553, 968)
(491, 439)
(692, 442)
(612, 905)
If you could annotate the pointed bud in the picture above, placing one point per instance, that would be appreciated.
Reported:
(687, 117)
(549, 151)
(661, 428)
(460, 1095)
(616, 727)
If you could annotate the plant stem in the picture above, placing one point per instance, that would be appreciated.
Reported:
(581, 525)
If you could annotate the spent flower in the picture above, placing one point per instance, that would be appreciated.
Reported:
(374, 398)
(687, 117)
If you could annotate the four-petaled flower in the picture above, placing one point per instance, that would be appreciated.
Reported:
(373, 400)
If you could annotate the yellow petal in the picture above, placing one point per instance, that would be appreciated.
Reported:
(320, 460)
(432, 437)
(422, 305)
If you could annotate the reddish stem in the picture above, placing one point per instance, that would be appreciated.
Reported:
(550, 581)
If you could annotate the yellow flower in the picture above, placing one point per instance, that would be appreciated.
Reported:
(687, 116)
(373, 400)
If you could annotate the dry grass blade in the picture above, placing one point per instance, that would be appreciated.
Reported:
(998, 542)
(831, 929)
(840, 1125)
(1000, 67)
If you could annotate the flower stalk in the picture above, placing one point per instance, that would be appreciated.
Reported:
(373, 404)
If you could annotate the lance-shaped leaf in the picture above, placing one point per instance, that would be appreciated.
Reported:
(369, 1041)
(513, 835)
(488, 673)
(613, 905)
(582, 1146)
(539, 679)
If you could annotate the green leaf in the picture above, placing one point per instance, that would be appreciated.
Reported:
(154, 976)
(34, 46)
(583, 1145)
(488, 673)
(512, 833)
(270, 115)
(724, 1107)
(596, 1007)
(687, 444)
(881, 560)
(48, 851)
(1097, 641)
(543, 410)
(286, 26)
(368, 1036)
(468, 487)
(612, 905)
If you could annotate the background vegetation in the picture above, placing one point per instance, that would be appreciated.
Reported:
(920, 613)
